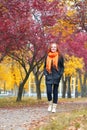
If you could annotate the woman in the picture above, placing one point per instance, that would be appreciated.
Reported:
(53, 70)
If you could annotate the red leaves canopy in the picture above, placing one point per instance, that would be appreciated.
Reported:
(76, 45)
(22, 22)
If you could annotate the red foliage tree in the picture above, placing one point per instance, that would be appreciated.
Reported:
(22, 29)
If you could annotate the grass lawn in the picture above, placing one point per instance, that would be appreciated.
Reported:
(75, 120)
(28, 101)
(11, 102)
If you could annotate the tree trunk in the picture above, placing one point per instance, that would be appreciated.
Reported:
(20, 91)
(38, 82)
(64, 87)
(38, 90)
(83, 85)
(76, 88)
(69, 89)
(4, 87)
(38, 78)
(21, 87)
(76, 92)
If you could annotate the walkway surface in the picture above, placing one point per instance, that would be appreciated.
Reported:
(24, 118)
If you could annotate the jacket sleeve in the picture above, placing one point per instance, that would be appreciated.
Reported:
(61, 65)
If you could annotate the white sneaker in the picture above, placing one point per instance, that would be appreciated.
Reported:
(50, 106)
(54, 108)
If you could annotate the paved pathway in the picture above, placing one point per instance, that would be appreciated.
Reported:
(19, 119)
(22, 118)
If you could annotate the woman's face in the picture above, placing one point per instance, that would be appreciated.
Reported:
(53, 47)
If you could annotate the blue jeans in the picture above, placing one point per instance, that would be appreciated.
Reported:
(52, 89)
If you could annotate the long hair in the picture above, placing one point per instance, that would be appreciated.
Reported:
(49, 48)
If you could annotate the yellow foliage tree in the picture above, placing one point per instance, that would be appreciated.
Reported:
(10, 73)
(72, 64)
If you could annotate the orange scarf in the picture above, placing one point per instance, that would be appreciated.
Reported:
(52, 60)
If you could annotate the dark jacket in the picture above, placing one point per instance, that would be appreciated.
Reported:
(55, 76)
